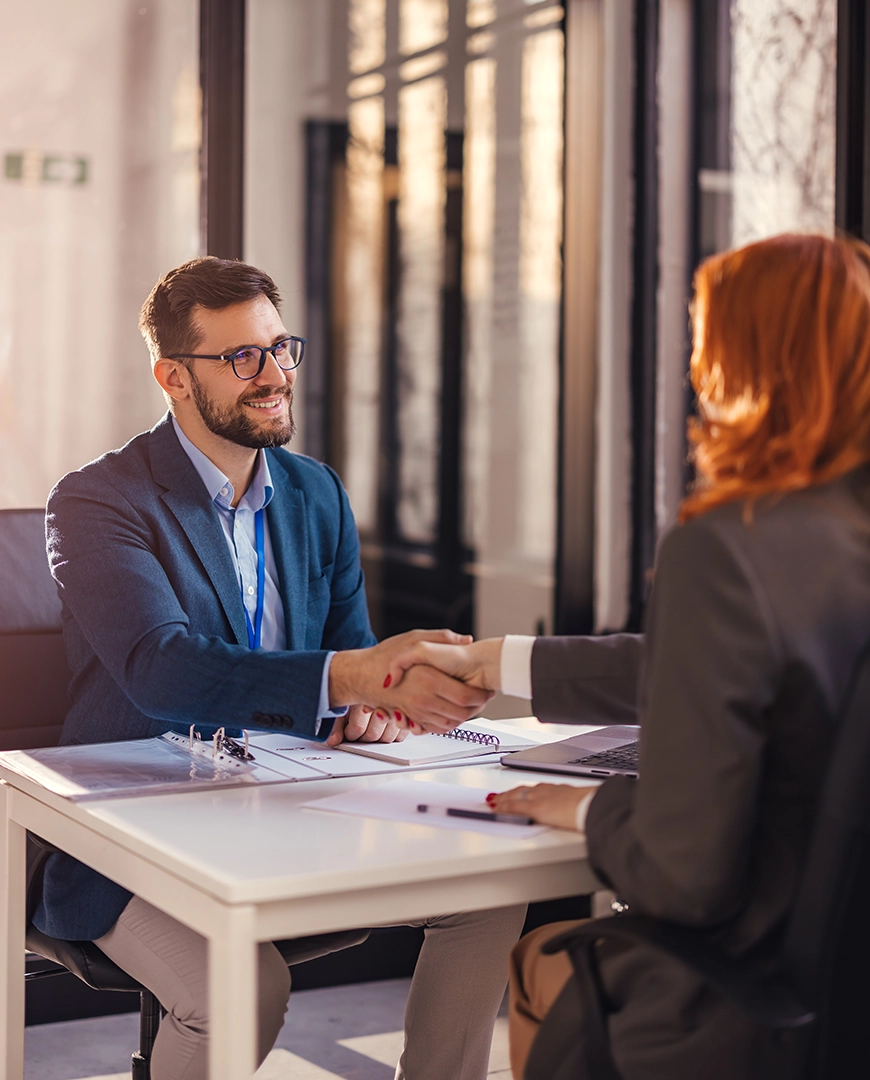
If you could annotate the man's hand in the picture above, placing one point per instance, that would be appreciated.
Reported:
(427, 699)
(476, 663)
(362, 725)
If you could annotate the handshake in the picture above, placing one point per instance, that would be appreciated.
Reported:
(418, 682)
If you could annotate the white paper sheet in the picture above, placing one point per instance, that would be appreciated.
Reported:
(397, 800)
(317, 757)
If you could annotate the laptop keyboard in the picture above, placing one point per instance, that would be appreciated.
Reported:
(621, 757)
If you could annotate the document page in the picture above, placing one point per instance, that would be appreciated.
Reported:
(398, 800)
(317, 757)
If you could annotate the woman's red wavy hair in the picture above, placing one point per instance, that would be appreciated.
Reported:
(781, 368)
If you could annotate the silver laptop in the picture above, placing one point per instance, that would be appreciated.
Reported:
(610, 751)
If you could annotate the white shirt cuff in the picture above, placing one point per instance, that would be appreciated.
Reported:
(516, 665)
(323, 710)
(582, 811)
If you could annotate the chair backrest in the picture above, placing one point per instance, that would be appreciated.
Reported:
(34, 675)
(827, 949)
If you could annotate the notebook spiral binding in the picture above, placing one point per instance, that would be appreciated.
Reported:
(479, 737)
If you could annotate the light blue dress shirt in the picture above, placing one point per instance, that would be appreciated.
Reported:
(239, 532)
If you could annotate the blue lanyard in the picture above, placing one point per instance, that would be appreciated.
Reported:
(254, 632)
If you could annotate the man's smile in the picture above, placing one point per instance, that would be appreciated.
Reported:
(272, 402)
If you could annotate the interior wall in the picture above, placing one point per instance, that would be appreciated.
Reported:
(99, 195)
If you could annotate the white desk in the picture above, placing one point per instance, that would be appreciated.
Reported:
(244, 866)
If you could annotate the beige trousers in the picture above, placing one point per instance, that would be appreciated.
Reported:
(456, 991)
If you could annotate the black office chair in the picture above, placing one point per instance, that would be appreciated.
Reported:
(34, 675)
(819, 981)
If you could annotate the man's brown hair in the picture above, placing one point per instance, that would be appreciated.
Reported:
(166, 320)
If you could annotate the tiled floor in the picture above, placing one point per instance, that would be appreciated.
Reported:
(341, 1033)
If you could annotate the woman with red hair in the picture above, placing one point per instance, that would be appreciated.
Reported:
(759, 609)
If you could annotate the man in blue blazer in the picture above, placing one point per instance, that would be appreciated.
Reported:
(208, 576)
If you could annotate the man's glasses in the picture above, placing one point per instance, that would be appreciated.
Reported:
(250, 360)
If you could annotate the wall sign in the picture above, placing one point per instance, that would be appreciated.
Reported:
(32, 166)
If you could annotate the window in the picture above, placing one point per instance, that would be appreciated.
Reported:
(768, 120)
(433, 210)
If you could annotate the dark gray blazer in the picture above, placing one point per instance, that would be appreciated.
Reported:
(751, 634)
(154, 624)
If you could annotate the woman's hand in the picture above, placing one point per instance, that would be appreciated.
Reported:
(548, 804)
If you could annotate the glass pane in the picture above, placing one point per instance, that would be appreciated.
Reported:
(363, 281)
(768, 121)
(541, 151)
(478, 225)
(368, 34)
(480, 12)
(422, 165)
(99, 195)
(422, 24)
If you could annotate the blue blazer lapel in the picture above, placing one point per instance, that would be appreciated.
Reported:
(188, 501)
(288, 531)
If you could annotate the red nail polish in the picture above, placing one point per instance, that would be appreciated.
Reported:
(410, 723)
(379, 715)
(490, 796)
(387, 681)
(399, 717)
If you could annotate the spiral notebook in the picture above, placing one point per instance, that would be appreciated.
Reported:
(462, 742)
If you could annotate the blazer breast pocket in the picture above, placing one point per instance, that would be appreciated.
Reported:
(318, 610)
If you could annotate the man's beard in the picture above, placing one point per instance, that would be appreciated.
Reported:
(233, 423)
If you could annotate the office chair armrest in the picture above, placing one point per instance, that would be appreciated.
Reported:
(767, 997)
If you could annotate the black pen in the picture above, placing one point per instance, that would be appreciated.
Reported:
(481, 815)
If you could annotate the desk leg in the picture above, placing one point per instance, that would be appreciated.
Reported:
(232, 990)
(12, 881)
